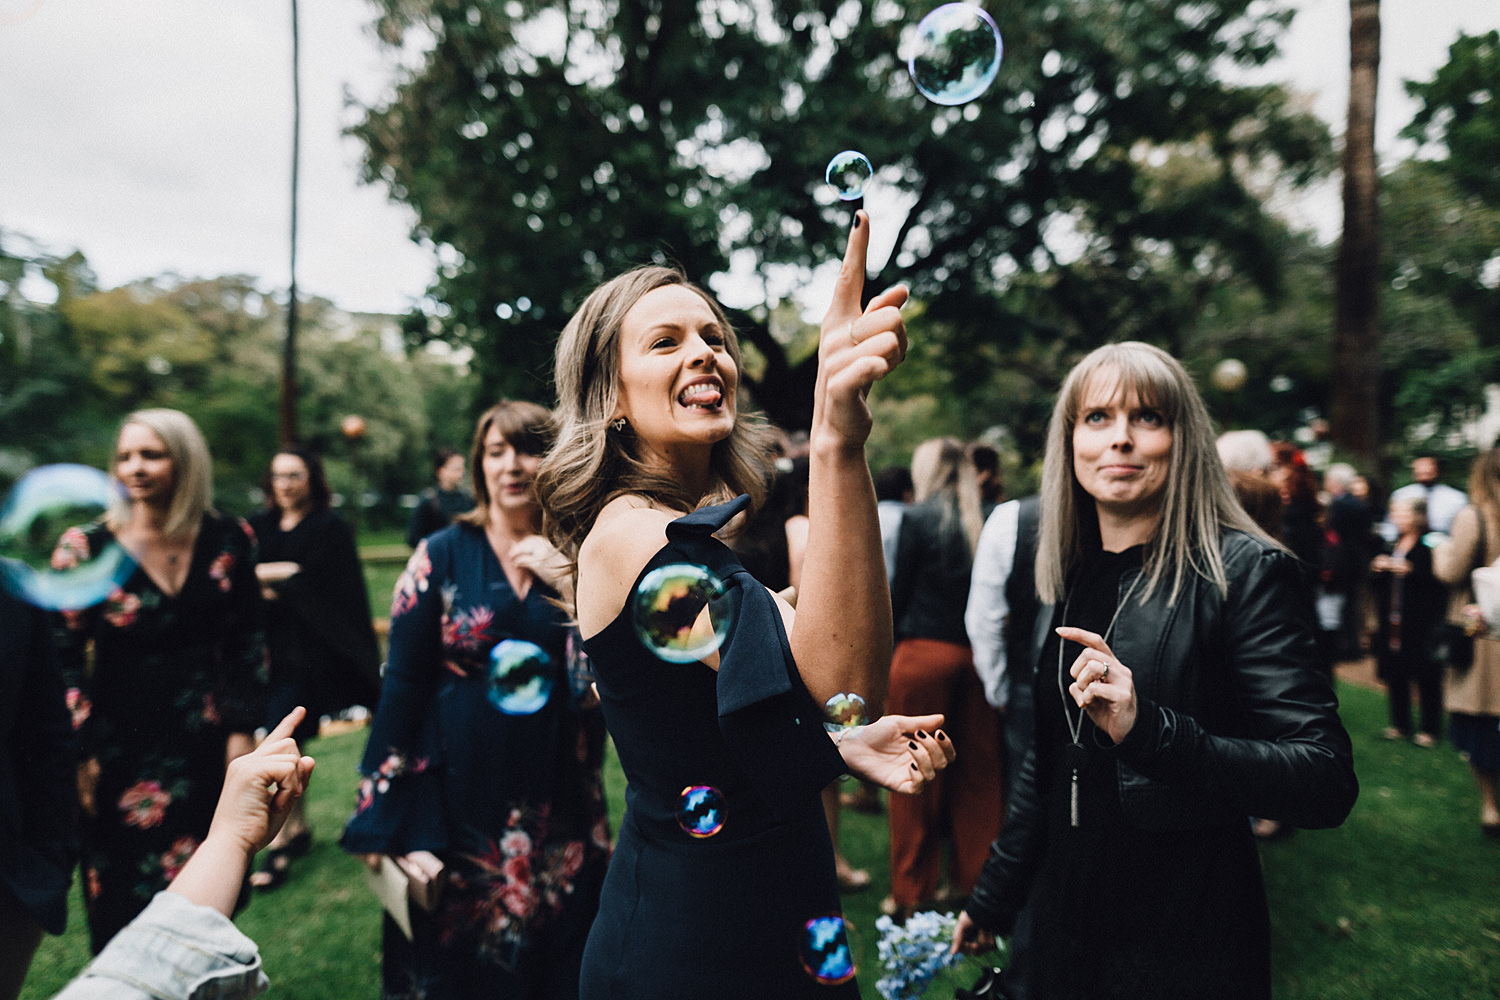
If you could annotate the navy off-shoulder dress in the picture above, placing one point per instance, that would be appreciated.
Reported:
(744, 912)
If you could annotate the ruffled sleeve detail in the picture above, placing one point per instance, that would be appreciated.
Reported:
(766, 716)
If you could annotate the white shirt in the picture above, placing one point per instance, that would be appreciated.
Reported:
(985, 614)
(890, 512)
(1443, 503)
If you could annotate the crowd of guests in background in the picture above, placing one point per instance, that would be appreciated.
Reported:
(226, 627)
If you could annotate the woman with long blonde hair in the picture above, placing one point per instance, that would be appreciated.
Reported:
(1177, 693)
(179, 643)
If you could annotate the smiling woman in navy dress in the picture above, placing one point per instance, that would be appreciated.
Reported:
(648, 382)
(498, 781)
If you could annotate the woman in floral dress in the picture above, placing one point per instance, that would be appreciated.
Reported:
(176, 684)
(479, 753)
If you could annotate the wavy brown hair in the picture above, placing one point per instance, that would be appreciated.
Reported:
(526, 427)
(592, 462)
(1484, 494)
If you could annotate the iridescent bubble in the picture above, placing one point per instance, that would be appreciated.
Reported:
(670, 615)
(955, 54)
(521, 677)
(848, 172)
(825, 950)
(700, 812)
(44, 556)
(844, 711)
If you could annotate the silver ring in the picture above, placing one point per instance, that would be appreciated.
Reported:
(1104, 677)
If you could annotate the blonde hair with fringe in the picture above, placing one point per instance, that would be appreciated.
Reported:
(592, 462)
(1197, 501)
(192, 471)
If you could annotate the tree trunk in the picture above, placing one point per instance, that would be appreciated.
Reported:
(288, 413)
(1354, 416)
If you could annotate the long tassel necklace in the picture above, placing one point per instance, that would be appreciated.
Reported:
(1075, 753)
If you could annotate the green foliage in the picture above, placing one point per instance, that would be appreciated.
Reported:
(1460, 113)
(547, 145)
(70, 370)
(43, 381)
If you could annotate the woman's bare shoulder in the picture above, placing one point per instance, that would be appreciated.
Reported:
(625, 535)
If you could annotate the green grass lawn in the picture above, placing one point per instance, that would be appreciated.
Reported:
(1402, 901)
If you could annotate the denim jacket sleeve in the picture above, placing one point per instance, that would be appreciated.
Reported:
(174, 950)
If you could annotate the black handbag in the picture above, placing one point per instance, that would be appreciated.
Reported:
(1454, 646)
(1454, 643)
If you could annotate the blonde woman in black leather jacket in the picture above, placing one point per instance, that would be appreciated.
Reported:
(1177, 693)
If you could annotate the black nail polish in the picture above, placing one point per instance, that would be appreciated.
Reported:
(921, 734)
(913, 766)
(911, 744)
(941, 736)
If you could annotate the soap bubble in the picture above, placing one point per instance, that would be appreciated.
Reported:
(844, 711)
(848, 172)
(669, 604)
(825, 950)
(44, 557)
(701, 811)
(520, 677)
(956, 54)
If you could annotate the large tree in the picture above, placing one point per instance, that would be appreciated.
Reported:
(546, 144)
(1354, 412)
(1458, 125)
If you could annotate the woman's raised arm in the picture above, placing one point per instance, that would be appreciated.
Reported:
(842, 634)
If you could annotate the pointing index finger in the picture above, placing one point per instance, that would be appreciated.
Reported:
(287, 725)
(849, 292)
(1082, 636)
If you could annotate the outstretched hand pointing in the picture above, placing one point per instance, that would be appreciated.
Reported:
(858, 346)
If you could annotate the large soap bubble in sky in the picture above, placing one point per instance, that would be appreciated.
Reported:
(955, 54)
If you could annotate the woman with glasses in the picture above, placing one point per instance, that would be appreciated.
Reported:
(319, 634)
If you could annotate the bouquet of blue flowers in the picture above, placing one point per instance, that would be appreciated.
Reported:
(914, 954)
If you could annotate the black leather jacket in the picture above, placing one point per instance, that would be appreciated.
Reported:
(1233, 720)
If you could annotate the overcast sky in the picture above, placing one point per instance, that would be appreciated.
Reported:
(155, 135)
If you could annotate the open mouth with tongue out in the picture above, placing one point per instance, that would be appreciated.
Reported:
(704, 395)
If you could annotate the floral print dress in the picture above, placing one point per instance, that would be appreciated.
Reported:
(501, 780)
(156, 684)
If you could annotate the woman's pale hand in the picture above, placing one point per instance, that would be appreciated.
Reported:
(969, 938)
(260, 788)
(275, 572)
(1102, 685)
(859, 345)
(899, 752)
